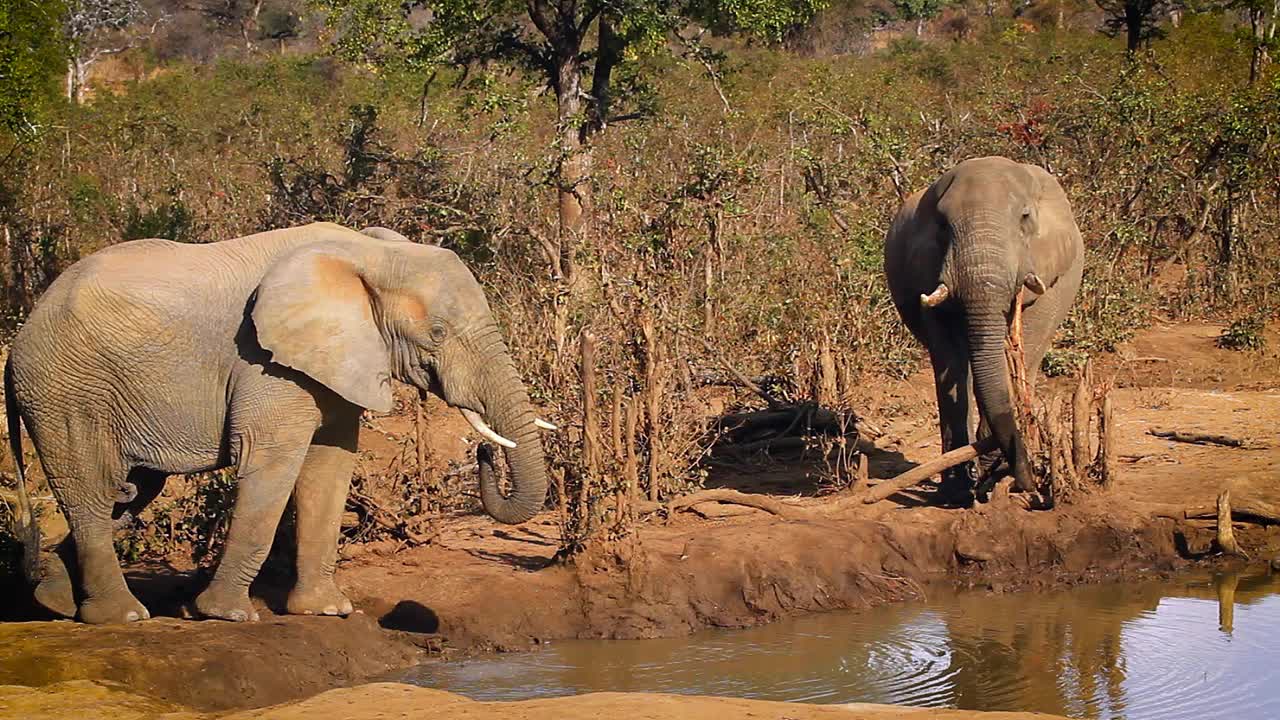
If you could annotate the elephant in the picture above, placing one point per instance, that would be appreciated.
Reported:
(955, 258)
(151, 358)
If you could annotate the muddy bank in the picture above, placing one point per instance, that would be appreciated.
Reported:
(387, 700)
(693, 574)
(205, 665)
(491, 592)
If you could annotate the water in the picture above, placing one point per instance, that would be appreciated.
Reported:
(1198, 647)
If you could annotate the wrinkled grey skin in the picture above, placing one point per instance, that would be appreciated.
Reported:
(984, 229)
(153, 358)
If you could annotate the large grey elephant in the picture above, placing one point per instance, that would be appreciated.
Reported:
(955, 258)
(152, 357)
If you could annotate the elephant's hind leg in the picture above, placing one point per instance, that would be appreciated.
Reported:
(267, 469)
(56, 591)
(319, 497)
(87, 498)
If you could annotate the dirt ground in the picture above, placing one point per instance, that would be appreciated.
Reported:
(481, 586)
(383, 701)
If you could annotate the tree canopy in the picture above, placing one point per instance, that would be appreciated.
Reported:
(32, 55)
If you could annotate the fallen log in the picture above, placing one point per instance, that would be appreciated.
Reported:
(730, 497)
(1198, 438)
(923, 472)
(1247, 508)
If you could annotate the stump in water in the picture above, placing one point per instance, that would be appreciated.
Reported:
(1226, 535)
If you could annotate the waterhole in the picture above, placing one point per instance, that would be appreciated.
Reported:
(1193, 647)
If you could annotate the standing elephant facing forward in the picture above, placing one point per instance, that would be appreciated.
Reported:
(955, 258)
(153, 358)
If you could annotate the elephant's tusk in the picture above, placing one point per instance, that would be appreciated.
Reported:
(544, 424)
(936, 297)
(485, 431)
(1034, 284)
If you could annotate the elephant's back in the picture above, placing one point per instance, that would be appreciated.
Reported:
(129, 289)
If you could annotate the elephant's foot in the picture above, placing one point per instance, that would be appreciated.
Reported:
(221, 602)
(119, 607)
(55, 592)
(318, 598)
(956, 488)
(954, 496)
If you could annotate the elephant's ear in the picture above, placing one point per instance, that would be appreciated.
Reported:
(1057, 245)
(315, 313)
(939, 188)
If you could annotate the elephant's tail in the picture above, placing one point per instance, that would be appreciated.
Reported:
(25, 518)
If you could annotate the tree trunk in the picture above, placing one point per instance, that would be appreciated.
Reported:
(1259, 26)
(575, 157)
(1133, 27)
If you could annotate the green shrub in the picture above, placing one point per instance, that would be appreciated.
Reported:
(1245, 333)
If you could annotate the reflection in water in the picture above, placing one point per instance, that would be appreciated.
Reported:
(1138, 650)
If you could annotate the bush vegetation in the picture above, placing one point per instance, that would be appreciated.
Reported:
(739, 219)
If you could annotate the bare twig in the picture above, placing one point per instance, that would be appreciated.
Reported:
(1107, 441)
(387, 519)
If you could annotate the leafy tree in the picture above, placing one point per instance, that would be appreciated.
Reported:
(1262, 16)
(96, 29)
(919, 10)
(32, 54)
(1137, 19)
(582, 49)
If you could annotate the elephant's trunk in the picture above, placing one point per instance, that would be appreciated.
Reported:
(986, 280)
(509, 412)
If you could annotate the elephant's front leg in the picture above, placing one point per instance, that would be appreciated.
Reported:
(948, 353)
(268, 465)
(319, 497)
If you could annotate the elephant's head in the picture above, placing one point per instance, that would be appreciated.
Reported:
(989, 216)
(354, 313)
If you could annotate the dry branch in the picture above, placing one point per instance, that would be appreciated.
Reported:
(590, 424)
(1081, 410)
(1107, 443)
(923, 472)
(741, 377)
(731, 497)
(1198, 438)
(653, 397)
(1019, 384)
(630, 468)
(387, 519)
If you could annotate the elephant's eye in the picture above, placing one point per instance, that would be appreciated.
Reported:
(438, 332)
